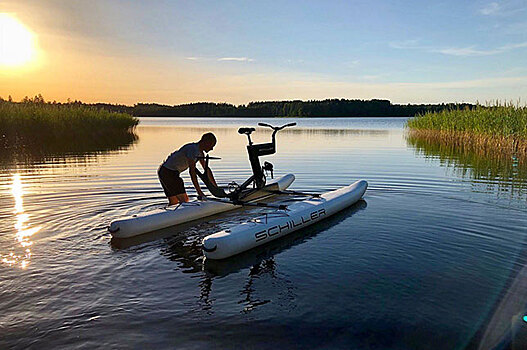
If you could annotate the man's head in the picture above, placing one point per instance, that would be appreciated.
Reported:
(208, 141)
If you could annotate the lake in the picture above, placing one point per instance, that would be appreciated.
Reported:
(433, 257)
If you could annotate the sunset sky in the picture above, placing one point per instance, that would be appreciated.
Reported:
(239, 51)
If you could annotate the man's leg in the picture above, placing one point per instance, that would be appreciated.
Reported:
(179, 198)
(173, 186)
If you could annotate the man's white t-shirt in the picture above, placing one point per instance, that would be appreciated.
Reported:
(178, 160)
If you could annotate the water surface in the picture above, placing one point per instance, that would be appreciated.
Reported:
(432, 258)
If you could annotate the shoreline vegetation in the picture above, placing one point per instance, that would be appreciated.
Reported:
(497, 131)
(295, 108)
(34, 127)
(300, 109)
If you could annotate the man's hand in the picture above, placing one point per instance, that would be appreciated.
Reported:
(202, 197)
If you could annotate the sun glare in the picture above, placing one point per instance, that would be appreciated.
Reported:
(16, 42)
(21, 256)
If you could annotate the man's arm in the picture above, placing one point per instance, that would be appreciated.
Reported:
(208, 172)
(194, 178)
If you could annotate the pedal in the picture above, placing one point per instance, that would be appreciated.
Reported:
(268, 167)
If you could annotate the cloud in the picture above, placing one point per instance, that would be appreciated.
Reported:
(467, 51)
(294, 61)
(413, 44)
(490, 9)
(221, 59)
(236, 59)
(514, 46)
(405, 44)
(471, 51)
(469, 84)
(505, 8)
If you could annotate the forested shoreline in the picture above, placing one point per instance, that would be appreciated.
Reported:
(294, 108)
(297, 108)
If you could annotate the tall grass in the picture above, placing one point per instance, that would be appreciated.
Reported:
(499, 129)
(43, 124)
(506, 120)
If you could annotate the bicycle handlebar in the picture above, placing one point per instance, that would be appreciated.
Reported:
(208, 157)
(265, 124)
(288, 125)
(276, 128)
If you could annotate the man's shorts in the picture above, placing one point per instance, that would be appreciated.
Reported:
(171, 181)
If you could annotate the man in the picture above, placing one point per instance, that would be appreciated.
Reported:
(181, 160)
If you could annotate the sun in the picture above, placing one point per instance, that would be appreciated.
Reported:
(16, 42)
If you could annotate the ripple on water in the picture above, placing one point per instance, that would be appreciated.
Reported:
(429, 249)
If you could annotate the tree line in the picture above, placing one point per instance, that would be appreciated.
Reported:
(294, 108)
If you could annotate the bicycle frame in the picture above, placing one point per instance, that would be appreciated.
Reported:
(255, 151)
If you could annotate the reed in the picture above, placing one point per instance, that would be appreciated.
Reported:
(481, 144)
(499, 129)
(506, 120)
(39, 123)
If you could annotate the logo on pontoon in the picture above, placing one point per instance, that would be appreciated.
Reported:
(288, 225)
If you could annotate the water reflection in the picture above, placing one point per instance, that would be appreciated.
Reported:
(288, 140)
(30, 153)
(182, 245)
(265, 131)
(261, 263)
(489, 171)
(260, 256)
(23, 229)
(403, 280)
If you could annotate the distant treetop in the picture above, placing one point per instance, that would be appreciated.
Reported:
(294, 108)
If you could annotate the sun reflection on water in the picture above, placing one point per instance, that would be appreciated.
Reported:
(22, 227)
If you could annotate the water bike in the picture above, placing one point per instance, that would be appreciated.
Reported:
(255, 232)
(256, 188)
